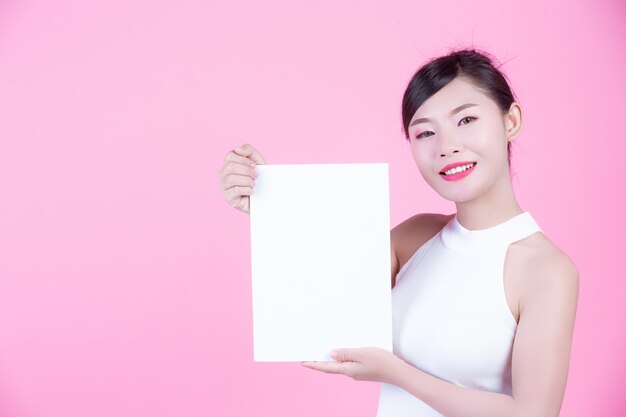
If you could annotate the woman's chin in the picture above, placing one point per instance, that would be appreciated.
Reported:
(457, 196)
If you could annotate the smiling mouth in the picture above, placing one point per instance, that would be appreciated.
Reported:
(458, 169)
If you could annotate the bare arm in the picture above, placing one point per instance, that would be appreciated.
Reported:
(540, 359)
(395, 264)
(540, 356)
(410, 235)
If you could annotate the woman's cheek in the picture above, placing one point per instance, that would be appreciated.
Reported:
(423, 166)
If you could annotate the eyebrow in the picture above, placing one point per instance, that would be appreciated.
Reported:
(458, 109)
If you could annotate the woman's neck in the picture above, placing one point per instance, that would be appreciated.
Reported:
(492, 208)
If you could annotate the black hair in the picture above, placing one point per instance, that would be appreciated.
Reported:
(477, 66)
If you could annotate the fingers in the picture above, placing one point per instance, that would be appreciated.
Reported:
(237, 176)
(233, 195)
(233, 157)
(346, 354)
(341, 355)
(233, 180)
(235, 168)
(249, 151)
(328, 367)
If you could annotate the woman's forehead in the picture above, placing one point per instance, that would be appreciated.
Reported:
(455, 94)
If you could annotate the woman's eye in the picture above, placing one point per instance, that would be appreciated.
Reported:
(424, 134)
(468, 118)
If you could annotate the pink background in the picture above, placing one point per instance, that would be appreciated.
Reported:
(125, 278)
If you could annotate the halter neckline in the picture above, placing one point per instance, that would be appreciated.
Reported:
(456, 236)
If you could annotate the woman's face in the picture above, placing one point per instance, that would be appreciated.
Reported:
(461, 126)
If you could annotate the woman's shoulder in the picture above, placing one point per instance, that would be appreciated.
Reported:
(542, 263)
(541, 253)
(408, 236)
(422, 223)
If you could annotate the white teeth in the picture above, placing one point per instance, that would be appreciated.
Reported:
(458, 169)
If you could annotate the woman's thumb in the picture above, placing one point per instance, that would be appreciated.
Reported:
(248, 150)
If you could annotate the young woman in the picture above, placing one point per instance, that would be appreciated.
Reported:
(483, 302)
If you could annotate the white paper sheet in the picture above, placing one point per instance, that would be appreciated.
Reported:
(320, 260)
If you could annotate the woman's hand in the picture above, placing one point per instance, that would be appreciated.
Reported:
(238, 174)
(362, 364)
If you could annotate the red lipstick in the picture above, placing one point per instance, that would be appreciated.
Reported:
(458, 175)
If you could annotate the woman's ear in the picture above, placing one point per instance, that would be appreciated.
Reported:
(513, 121)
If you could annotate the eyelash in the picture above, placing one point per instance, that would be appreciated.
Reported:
(420, 135)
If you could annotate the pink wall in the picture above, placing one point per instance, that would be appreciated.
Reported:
(125, 279)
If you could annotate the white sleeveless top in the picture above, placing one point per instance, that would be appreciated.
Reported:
(450, 314)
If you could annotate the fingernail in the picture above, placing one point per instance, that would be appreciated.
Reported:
(333, 354)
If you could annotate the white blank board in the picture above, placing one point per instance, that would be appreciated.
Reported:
(320, 260)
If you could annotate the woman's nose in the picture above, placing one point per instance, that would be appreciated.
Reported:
(449, 144)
